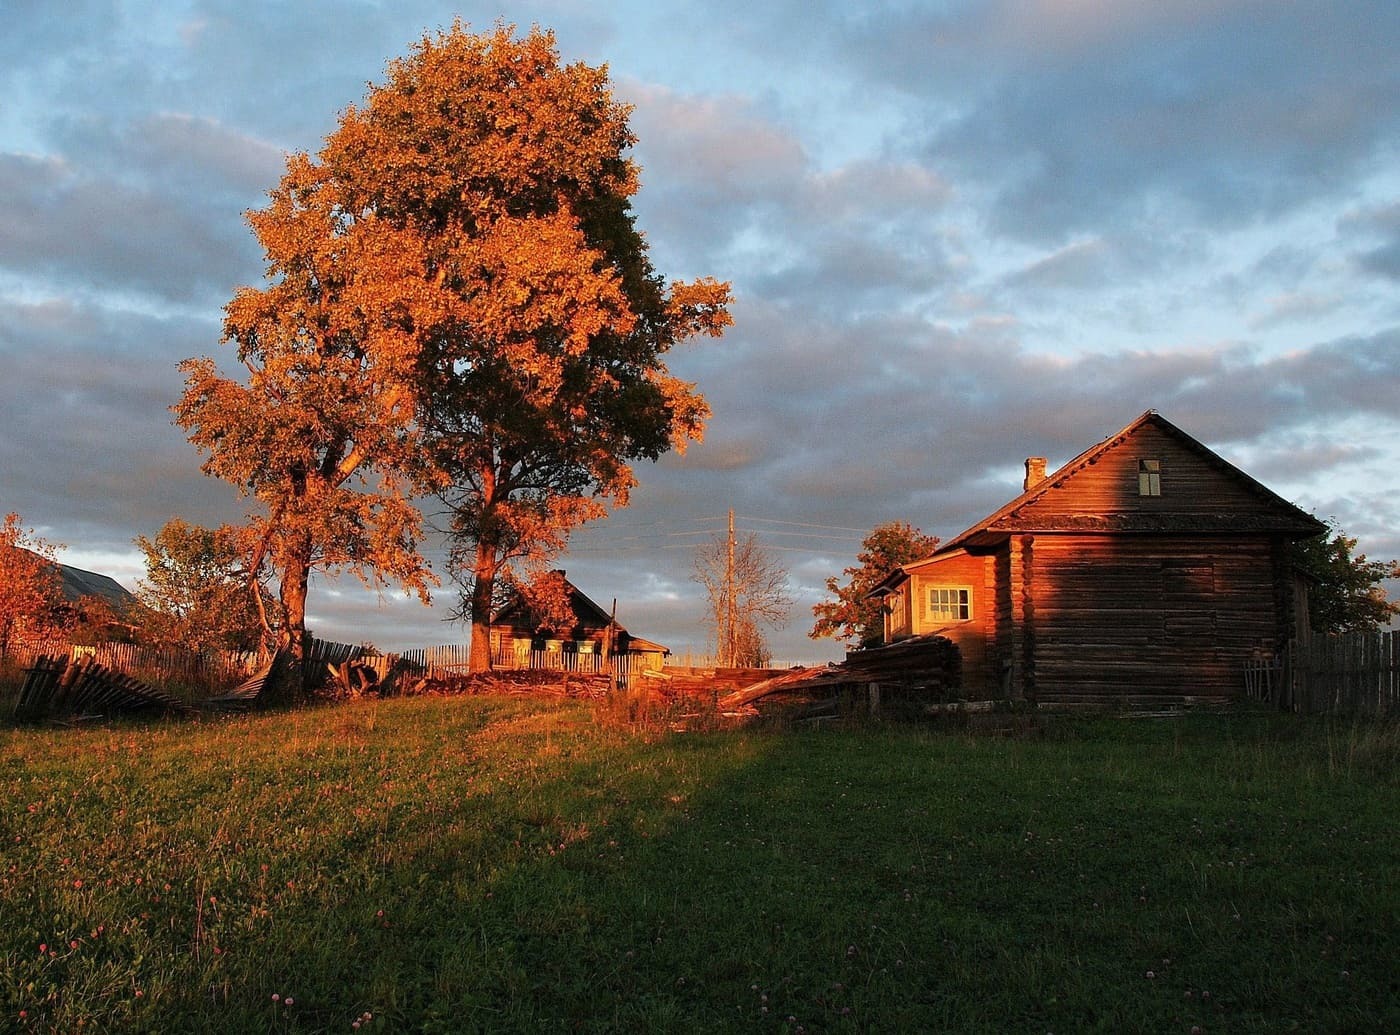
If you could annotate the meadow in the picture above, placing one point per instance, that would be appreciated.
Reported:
(518, 864)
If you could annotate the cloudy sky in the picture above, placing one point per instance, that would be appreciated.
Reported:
(960, 233)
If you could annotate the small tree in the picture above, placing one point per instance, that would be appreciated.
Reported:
(198, 591)
(851, 616)
(1344, 592)
(746, 589)
(31, 589)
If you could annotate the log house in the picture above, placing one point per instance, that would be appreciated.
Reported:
(1146, 567)
(516, 632)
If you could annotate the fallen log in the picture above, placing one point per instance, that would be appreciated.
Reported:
(797, 679)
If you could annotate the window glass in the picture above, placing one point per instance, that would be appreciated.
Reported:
(949, 603)
(1149, 477)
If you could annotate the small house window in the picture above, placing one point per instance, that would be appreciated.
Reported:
(894, 607)
(949, 604)
(1149, 477)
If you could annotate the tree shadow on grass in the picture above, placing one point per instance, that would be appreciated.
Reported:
(507, 864)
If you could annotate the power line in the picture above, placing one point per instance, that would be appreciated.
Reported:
(812, 535)
(804, 524)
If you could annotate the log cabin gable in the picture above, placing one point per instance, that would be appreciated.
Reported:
(1150, 477)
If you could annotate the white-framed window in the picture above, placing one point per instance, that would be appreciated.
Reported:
(1149, 477)
(948, 604)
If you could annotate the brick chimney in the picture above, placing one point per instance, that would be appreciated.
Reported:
(1035, 471)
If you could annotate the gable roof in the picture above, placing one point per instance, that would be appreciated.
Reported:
(585, 610)
(888, 584)
(77, 583)
(1288, 517)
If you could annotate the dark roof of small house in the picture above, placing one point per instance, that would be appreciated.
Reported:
(585, 609)
(80, 583)
(641, 646)
(77, 583)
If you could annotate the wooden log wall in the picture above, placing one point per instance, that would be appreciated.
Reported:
(1167, 616)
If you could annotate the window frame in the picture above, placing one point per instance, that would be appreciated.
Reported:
(1149, 477)
(896, 613)
(948, 612)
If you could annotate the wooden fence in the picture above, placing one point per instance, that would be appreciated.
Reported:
(690, 660)
(452, 659)
(1349, 674)
(151, 664)
(60, 688)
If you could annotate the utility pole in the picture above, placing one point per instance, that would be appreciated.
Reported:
(730, 607)
(610, 649)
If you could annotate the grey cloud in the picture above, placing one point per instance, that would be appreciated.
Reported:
(1384, 260)
(197, 158)
(86, 396)
(1381, 223)
(1285, 455)
(1082, 264)
(61, 221)
(1231, 114)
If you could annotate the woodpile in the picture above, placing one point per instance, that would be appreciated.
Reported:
(56, 688)
(544, 682)
(927, 664)
(925, 667)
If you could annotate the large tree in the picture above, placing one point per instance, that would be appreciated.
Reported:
(459, 302)
(1344, 592)
(542, 377)
(850, 615)
(321, 431)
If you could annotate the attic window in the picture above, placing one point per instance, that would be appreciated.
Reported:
(1149, 477)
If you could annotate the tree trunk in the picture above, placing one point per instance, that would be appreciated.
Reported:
(483, 588)
(296, 573)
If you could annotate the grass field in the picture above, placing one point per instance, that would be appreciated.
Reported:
(509, 864)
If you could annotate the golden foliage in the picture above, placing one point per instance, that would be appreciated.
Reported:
(31, 590)
(457, 301)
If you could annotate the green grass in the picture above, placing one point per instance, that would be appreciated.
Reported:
(510, 864)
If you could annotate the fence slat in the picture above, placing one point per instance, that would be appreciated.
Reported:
(1348, 674)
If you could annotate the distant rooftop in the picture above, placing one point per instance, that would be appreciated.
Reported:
(78, 583)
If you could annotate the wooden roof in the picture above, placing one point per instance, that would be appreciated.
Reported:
(889, 583)
(1276, 514)
(77, 583)
(586, 611)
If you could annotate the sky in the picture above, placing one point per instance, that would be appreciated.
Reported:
(959, 234)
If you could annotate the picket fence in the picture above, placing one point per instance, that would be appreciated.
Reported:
(151, 664)
(218, 670)
(452, 659)
(1348, 674)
